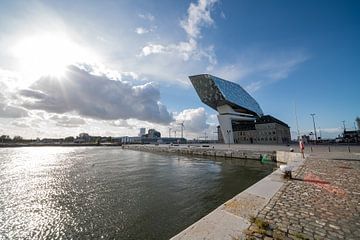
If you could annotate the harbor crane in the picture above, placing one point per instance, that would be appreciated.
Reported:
(182, 128)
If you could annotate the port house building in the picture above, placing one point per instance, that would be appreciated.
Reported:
(240, 116)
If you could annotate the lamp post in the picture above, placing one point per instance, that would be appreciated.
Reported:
(228, 132)
(312, 115)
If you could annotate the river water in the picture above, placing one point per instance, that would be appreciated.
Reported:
(111, 193)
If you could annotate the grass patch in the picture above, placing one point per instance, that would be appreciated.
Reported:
(261, 224)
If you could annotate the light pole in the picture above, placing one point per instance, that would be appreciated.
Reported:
(344, 125)
(312, 115)
(228, 132)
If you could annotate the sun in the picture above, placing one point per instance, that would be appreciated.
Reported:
(46, 54)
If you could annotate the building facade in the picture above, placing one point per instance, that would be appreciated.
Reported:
(240, 117)
(265, 130)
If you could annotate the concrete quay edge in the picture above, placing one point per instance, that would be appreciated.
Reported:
(205, 152)
(231, 219)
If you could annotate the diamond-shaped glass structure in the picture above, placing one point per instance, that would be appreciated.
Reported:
(215, 92)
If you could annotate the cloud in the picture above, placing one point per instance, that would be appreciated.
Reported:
(147, 16)
(141, 30)
(96, 97)
(153, 49)
(9, 111)
(20, 124)
(194, 119)
(198, 16)
(256, 69)
(65, 121)
(12, 112)
(121, 123)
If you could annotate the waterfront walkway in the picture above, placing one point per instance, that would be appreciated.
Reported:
(321, 202)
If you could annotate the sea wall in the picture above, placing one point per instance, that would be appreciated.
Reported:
(204, 151)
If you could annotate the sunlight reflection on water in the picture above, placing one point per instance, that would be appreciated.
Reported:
(64, 192)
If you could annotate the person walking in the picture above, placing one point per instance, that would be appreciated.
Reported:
(302, 147)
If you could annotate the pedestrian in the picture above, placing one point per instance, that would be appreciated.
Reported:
(302, 148)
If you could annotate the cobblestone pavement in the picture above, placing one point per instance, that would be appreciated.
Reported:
(322, 201)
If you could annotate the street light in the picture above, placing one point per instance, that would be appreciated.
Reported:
(312, 115)
(228, 132)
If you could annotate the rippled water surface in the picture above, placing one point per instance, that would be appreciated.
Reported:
(66, 192)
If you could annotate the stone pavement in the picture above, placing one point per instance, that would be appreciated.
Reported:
(322, 201)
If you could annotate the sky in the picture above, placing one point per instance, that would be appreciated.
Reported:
(110, 67)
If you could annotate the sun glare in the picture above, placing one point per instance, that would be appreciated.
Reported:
(46, 54)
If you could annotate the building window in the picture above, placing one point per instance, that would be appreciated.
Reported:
(274, 132)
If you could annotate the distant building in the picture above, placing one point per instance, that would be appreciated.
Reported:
(351, 136)
(83, 137)
(132, 140)
(152, 133)
(358, 123)
(142, 132)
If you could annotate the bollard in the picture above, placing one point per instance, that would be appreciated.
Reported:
(329, 148)
(311, 149)
(349, 148)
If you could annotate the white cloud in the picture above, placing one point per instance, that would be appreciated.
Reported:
(147, 16)
(194, 119)
(20, 124)
(255, 68)
(189, 50)
(152, 49)
(120, 123)
(198, 16)
(141, 30)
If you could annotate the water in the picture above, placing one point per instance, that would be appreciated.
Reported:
(110, 193)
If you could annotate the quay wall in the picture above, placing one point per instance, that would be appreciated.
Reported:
(205, 151)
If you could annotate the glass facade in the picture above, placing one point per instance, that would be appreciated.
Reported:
(215, 92)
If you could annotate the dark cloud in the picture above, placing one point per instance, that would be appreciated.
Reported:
(12, 112)
(65, 121)
(96, 97)
(8, 111)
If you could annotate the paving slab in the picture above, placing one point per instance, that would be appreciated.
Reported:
(322, 201)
